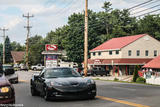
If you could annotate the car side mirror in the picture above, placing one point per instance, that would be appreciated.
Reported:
(36, 76)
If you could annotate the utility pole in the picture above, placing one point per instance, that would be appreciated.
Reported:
(4, 37)
(28, 16)
(86, 39)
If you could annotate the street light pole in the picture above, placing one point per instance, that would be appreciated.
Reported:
(86, 39)
(4, 37)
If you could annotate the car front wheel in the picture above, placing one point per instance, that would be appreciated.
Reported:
(46, 97)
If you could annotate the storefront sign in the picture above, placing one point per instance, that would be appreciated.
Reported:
(97, 61)
(51, 57)
(52, 47)
(51, 63)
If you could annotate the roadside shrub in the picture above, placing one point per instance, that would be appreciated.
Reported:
(116, 79)
(135, 75)
(141, 80)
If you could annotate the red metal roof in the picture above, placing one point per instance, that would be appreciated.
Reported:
(117, 43)
(124, 61)
(155, 63)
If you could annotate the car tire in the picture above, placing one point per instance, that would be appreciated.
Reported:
(34, 92)
(92, 97)
(34, 69)
(46, 97)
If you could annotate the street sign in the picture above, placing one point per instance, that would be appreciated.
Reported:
(51, 47)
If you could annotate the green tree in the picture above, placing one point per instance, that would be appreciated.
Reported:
(135, 74)
(8, 49)
(36, 47)
(150, 24)
(17, 46)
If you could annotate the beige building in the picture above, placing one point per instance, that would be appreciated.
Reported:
(120, 55)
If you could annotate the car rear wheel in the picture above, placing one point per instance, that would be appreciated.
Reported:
(34, 69)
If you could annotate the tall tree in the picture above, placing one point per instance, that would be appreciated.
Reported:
(17, 46)
(150, 24)
(8, 49)
(36, 46)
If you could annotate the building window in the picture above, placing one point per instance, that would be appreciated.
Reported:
(110, 52)
(99, 53)
(138, 52)
(146, 53)
(129, 53)
(155, 52)
(117, 52)
(94, 53)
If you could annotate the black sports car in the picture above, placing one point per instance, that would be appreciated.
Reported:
(62, 83)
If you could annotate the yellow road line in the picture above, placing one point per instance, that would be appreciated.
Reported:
(23, 81)
(121, 101)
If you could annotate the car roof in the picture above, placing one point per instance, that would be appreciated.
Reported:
(6, 65)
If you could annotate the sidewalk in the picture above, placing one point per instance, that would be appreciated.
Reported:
(120, 78)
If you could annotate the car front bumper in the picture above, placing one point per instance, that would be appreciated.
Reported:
(89, 92)
(7, 98)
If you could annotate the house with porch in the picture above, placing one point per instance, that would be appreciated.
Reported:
(121, 55)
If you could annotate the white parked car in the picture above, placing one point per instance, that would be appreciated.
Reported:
(37, 67)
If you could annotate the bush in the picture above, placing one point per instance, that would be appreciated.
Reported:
(116, 79)
(141, 80)
(135, 75)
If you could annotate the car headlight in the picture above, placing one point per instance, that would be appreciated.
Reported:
(4, 89)
(90, 81)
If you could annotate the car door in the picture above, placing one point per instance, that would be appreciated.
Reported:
(40, 80)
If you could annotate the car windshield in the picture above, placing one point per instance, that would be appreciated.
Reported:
(61, 72)
(7, 67)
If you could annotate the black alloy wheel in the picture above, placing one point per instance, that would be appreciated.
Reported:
(46, 97)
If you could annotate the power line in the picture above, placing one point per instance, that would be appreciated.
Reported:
(144, 5)
(145, 9)
(148, 13)
(140, 4)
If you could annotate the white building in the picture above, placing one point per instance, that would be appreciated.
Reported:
(120, 55)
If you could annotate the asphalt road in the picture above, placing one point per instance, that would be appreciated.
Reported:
(109, 94)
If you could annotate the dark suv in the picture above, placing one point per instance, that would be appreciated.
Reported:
(7, 94)
(99, 71)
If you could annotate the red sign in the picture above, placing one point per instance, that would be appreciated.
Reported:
(50, 47)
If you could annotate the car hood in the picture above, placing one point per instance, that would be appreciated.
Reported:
(3, 81)
(69, 84)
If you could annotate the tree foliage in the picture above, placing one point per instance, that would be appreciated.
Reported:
(8, 49)
(102, 26)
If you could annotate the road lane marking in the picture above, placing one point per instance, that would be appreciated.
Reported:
(24, 81)
(121, 101)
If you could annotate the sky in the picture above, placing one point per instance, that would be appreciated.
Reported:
(48, 14)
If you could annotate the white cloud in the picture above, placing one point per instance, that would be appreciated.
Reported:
(13, 23)
(49, 14)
